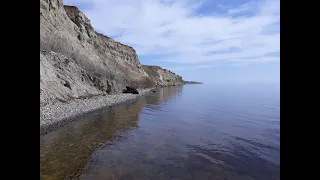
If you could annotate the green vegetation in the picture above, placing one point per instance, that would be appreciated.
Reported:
(180, 79)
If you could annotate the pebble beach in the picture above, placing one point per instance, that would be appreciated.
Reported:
(60, 114)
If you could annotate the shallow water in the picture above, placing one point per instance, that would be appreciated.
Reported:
(189, 132)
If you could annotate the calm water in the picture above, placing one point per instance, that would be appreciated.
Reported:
(190, 132)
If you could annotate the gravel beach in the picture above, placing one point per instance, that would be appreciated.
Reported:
(60, 114)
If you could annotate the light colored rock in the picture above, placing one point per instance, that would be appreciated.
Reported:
(82, 70)
(68, 32)
(72, 53)
(163, 77)
(59, 114)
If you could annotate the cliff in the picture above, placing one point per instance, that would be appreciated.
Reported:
(163, 77)
(77, 62)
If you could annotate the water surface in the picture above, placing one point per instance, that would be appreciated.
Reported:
(189, 132)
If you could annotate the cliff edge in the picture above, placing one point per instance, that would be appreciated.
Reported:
(163, 77)
(77, 62)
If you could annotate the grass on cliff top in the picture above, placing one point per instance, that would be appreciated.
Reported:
(180, 79)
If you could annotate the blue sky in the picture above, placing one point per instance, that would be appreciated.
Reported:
(204, 40)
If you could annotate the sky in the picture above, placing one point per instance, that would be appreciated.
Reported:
(204, 40)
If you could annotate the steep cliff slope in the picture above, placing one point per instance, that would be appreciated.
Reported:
(76, 61)
(163, 77)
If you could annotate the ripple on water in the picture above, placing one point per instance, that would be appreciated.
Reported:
(171, 134)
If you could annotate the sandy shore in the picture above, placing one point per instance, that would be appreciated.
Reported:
(59, 114)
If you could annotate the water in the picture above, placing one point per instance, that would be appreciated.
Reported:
(190, 132)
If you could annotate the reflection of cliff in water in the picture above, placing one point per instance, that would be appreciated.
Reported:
(64, 152)
(162, 95)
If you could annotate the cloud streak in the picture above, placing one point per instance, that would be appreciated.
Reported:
(188, 68)
(176, 32)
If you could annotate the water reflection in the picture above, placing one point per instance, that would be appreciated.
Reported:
(169, 134)
(64, 152)
(163, 95)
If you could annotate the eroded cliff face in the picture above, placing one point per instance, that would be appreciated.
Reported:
(163, 77)
(76, 61)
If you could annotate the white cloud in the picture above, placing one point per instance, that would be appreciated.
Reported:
(247, 7)
(184, 68)
(239, 64)
(162, 27)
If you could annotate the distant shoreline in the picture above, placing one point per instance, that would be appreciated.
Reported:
(60, 114)
(192, 82)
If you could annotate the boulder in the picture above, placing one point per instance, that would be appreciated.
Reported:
(130, 89)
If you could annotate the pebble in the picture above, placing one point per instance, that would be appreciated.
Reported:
(59, 114)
